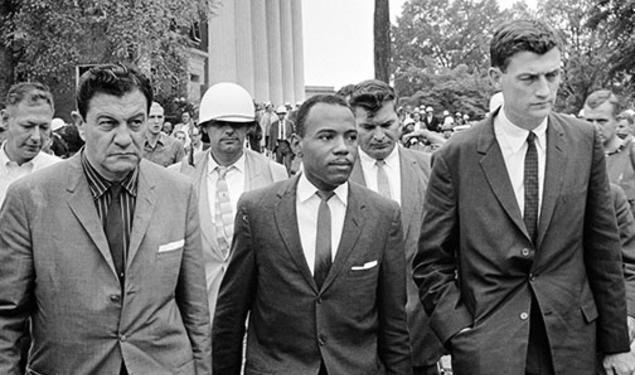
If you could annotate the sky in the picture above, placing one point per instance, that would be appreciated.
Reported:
(338, 39)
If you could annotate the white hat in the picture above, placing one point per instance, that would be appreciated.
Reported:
(227, 101)
(57, 123)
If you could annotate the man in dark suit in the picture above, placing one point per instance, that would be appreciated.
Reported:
(401, 175)
(519, 258)
(318, 264)
(109, 272)
(431, 121)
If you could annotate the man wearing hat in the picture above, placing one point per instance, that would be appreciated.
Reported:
(431, 121)
(279, 134)
(224, 172)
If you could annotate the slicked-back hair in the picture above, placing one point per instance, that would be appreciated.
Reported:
(305, 108)
(529, 35)
(30, 93)
(371, 95)
(599, 97)
(112, 79)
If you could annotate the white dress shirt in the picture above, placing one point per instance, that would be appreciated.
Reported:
(393, 170)
(307, 204)
(235, 178)
(513, 145)
(11, 171)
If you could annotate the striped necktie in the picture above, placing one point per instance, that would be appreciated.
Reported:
(383, 185)
(224, 218)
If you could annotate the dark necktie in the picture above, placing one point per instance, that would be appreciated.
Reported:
(115, 230)
(323, 239)
(531, 187)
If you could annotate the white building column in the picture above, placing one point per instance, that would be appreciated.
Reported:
(274, 51)
(261, 60)
(244, 47)
(298, 51)
(222, 39)
(286, 33)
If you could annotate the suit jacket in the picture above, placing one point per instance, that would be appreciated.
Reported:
(626, 225)
(477, 267)
(273, 133)
(425, 347)
(56, 268)
(260, 172)
(356, 323)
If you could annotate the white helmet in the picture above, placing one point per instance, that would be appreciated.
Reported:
(226, 101)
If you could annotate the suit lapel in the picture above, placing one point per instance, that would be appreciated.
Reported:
(353, 222)
(82, 205)
(254, 173)
(285, 217)
(554, 176)
(143, 211)
(495, 172)
(208, 230)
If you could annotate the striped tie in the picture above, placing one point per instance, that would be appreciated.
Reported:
(383, 185)
(224, 218)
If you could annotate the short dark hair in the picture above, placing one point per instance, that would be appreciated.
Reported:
(599, 97)
(521, 35)
(112, 79)
(371, 95)
(305, 108)
(29, 92)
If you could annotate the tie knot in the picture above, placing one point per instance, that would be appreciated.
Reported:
(222, 170)
(115, 189)
(325, 195)
(531, 137)
(380, 163)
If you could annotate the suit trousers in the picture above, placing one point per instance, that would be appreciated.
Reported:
(539, 360)
(425, 370)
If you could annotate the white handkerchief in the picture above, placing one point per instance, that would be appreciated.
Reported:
(171, 246)
(366, 266)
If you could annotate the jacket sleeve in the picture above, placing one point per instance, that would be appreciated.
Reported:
(17, 279)
(236, 293)
(393, 344)
(436, 263)
(602, 258)
(626, 226)
(191, 292)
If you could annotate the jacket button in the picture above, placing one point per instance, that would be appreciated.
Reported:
(122, 338)
(115, 298)
(532, 277)
(524, 316)
(319, 300)
(524, 252)
(321, 340)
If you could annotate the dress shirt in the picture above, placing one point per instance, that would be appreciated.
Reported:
(166, 150)
(235, 178)
(512, 141)
(11, 171)
(100, 190)
(393, 170)
(307, 205)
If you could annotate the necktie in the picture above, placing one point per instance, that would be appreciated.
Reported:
(531, 187)
(323, 239)
(383, 185)
(224, 217)
(115, 230)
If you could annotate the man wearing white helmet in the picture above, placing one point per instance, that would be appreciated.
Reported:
(224, 173)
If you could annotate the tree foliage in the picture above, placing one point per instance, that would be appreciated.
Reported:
(48, 38)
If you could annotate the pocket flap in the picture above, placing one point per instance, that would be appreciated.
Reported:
(589, 311)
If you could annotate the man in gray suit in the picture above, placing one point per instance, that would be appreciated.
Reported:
(401, 175)
(224, 172)
(317, 265)
(109, 272)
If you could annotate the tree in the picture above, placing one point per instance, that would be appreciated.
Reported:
(382, 40)
(47, 39)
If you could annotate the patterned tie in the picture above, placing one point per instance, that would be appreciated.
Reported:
(224, 218)
(383, 185)
(323, 239)
(531, 187)
(115, 230)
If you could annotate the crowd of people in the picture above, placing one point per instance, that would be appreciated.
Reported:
(344, 235)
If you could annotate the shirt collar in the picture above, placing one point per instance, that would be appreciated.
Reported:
(307, 190)
(517, 136)
(5, 160)
(239, 165)
(98, 184)
(390, 160)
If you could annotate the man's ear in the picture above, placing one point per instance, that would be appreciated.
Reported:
(495, 76)
(296, 145)
(4, 117)
(80, 124)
